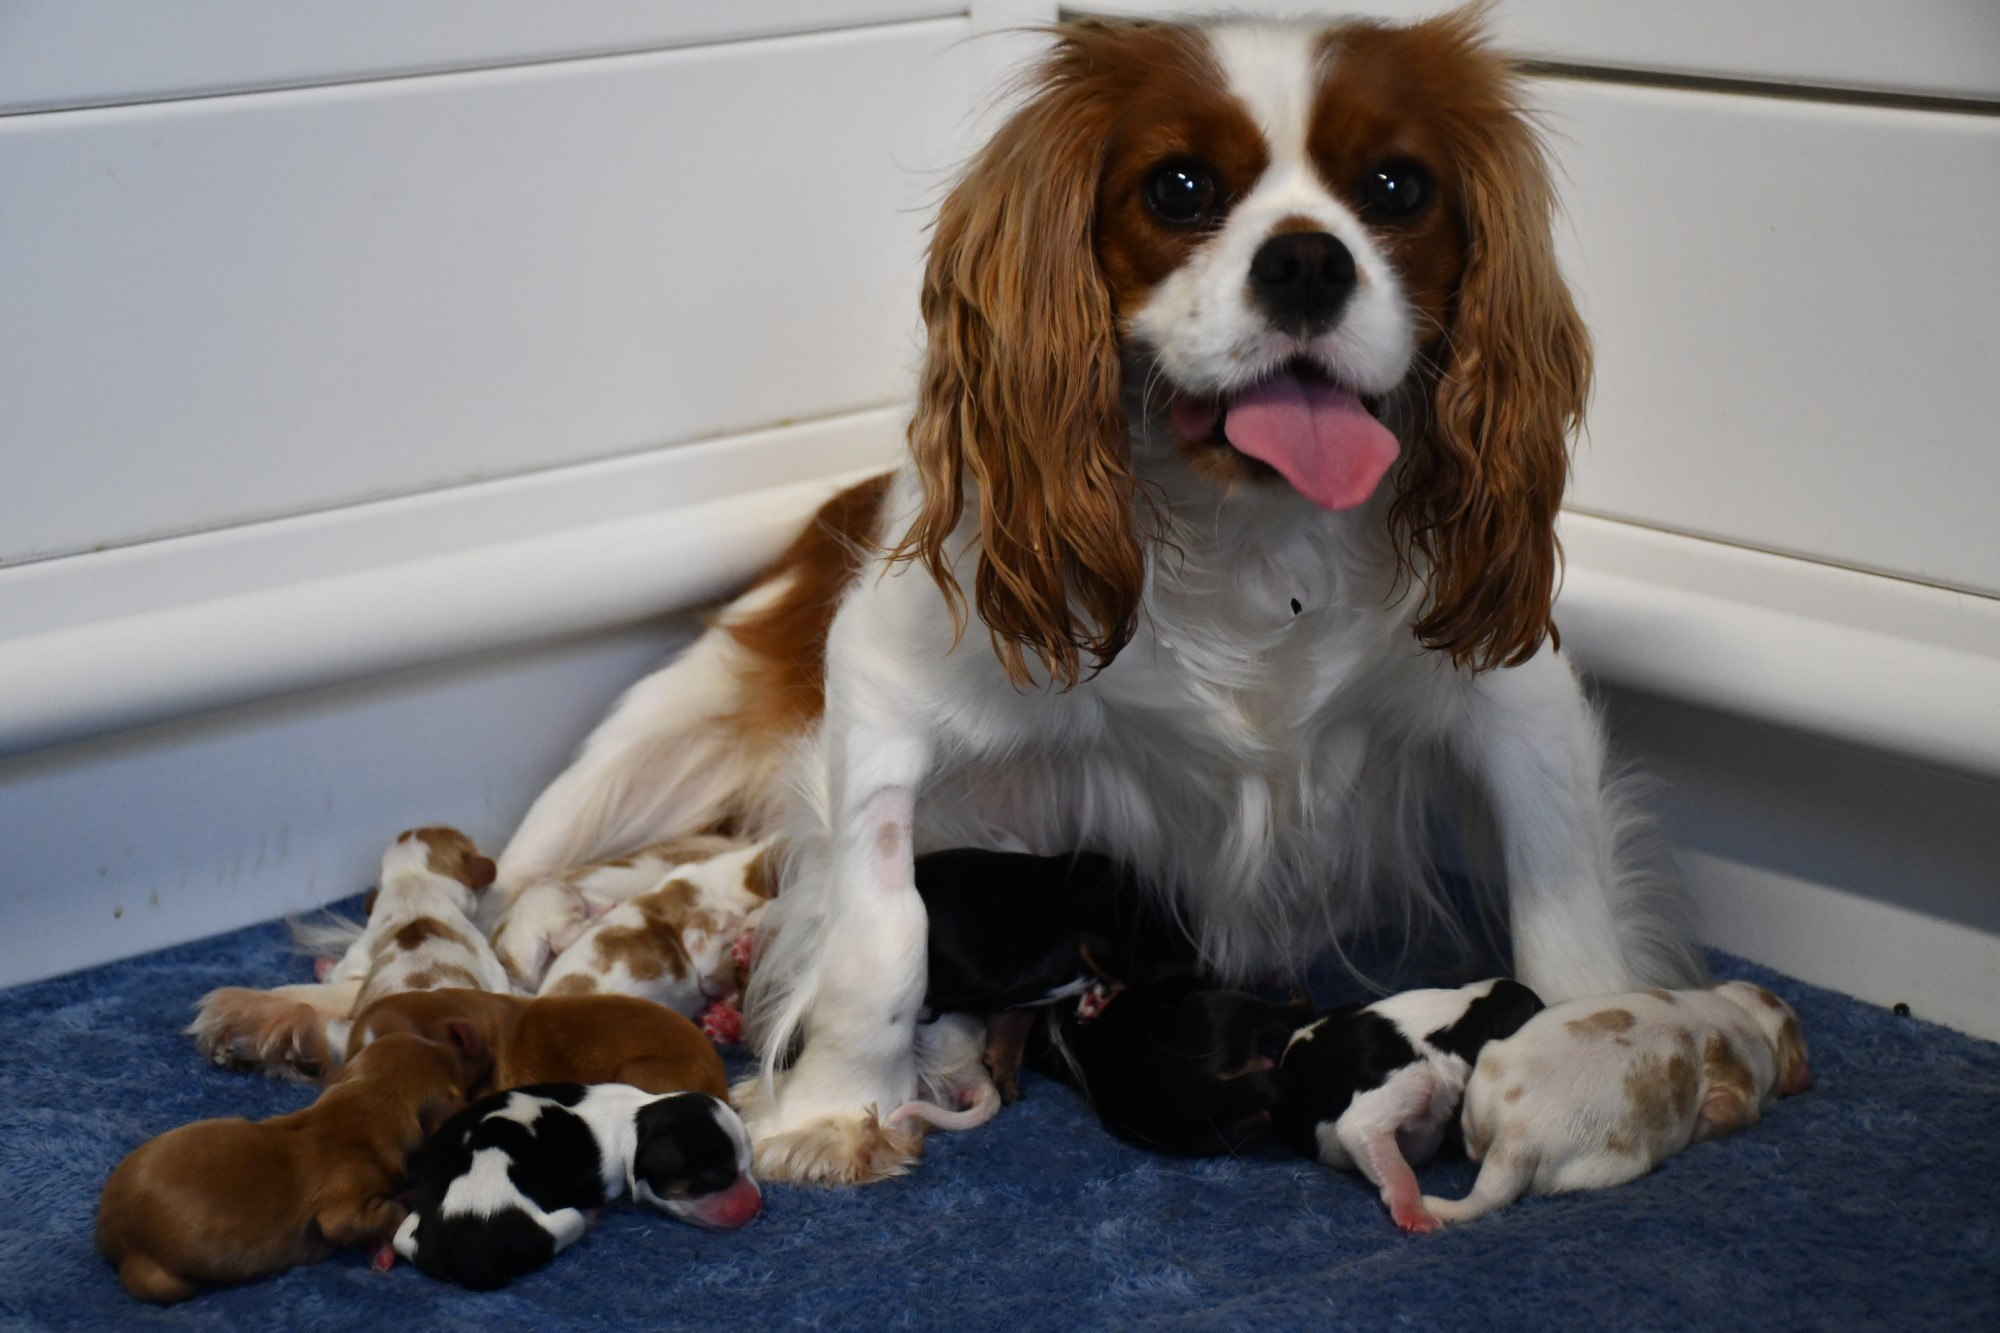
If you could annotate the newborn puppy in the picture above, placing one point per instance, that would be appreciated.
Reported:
(548, 915)
(1596, 1092)
(516, 1178)
(420, 933)
(1174, 1066)
(673, 942)
(226, 1200)
(557, 1038)
(420, 936)
(952, 1070)
(1008, 932)
(1371, 1088)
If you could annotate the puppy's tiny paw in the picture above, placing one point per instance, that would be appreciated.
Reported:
(1417, 1221)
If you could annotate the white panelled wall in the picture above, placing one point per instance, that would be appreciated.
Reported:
(375, 381)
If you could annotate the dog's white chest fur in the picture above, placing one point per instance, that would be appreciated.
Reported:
(1243, 754)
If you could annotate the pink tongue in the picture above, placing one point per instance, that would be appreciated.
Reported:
(1320, 438)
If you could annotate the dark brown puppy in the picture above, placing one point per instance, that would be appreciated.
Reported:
(226, 1200)
(556, 1038)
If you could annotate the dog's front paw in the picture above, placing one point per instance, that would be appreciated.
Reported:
(841, 1148)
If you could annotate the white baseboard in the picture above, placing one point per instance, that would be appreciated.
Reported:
(1883, 952)
(91, 645)
(1904, 668)
(175, 832)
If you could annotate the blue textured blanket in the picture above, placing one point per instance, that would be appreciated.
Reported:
(1873, 1201)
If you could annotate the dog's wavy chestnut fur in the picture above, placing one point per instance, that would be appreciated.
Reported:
(1192, 667)
(1022, 383)
(1476, 500)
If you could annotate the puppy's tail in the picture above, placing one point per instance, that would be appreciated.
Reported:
(1502, 1180)
(985, 1105)
(283, 1032)
(326, 935)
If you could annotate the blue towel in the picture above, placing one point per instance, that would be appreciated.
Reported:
(1873, 1201)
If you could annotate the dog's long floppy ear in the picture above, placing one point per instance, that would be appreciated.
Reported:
(1477, 499)
(1019, 404)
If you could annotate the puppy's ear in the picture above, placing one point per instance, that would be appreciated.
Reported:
(1019, 405)
(1477, 499)
(658, 1157)
(468, 1039)
(480, 872)
(1795, 1073)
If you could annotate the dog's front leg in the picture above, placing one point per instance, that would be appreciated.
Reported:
(840, 984)
(1534, 743)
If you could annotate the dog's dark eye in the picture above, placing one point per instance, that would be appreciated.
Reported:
(1395, 190)
(1182, 193)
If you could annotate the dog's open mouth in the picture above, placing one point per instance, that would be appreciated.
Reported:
(1318, 436)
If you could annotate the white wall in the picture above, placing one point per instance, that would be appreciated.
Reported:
(364, 370)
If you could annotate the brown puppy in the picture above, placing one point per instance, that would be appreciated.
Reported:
(556, 1038)
(226, 1200)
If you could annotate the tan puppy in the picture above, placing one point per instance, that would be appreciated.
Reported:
(420, 936)
(556, 1039)
(1597, 1092)
(221, 1201)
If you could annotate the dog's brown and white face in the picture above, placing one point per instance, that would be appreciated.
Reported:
(1316, 258)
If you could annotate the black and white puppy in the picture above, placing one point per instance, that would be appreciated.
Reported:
(1175, 1065)
(515, 1178)
(1372, 1088)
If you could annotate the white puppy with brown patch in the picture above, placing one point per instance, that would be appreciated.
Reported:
(675, 941)
(1597, 1092)
(420, 936)
(553, 912)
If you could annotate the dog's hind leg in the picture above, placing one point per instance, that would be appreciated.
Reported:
(283, 1032)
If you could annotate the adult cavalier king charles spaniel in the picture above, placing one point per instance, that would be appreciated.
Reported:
(1224, 546)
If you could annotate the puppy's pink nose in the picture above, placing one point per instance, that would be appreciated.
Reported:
(732, 1208)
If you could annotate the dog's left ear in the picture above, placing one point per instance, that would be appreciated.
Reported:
(1477, 499)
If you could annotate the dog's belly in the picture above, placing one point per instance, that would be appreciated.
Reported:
(1269, 849)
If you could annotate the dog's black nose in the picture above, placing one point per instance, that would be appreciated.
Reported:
(1301, 279)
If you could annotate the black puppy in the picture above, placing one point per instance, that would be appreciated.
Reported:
(1174, 1065)
(1009, 931)
(515, 1178)
(1372, 1088)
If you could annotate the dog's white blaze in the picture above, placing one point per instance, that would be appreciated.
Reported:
(1199, 322)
